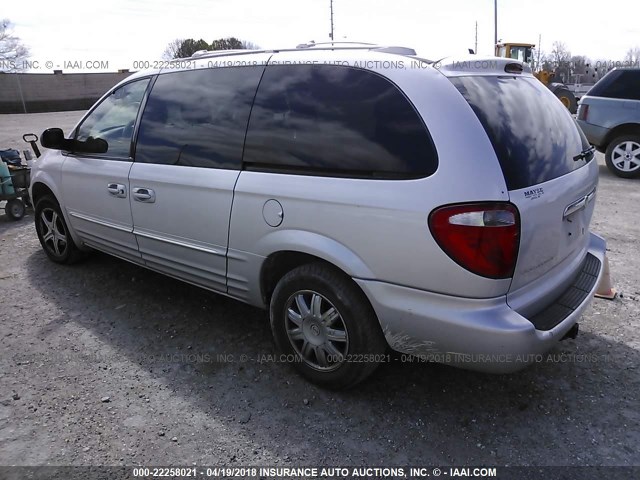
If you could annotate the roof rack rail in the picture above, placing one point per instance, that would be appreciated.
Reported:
(397, 50)
(313, 44)
(356, 45)
(200, 54)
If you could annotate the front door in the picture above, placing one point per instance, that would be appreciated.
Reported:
(95, 188)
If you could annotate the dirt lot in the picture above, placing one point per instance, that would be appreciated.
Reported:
(106, 363)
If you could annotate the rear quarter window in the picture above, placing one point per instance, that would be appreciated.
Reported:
(336, 121)
(534, 136)
(621, 84)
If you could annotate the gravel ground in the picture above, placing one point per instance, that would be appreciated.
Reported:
(106, 363)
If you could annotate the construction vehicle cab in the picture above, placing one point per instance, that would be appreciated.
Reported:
(524, 53)
(517, 51)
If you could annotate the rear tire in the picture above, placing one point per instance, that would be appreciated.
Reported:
(322, 320)
(53, 232)
(623, 156)
(14, 209)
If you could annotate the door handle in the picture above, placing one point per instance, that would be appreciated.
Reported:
(146, 195)
(117, 190)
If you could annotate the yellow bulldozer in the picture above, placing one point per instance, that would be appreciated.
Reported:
(523, 52)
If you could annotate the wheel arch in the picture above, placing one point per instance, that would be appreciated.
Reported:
(278, 264)
(299, 248)
(620, 130)
(39, 190)
(43, 181)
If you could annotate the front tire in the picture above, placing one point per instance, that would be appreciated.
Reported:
(567, 98)
(623, 156)
(53, 232)
(320, 318)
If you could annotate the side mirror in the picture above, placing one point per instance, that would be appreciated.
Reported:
(54, 138)
(90, 145)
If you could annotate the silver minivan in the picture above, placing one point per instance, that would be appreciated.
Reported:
(369, 199)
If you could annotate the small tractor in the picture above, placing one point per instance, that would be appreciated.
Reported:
(523, 52)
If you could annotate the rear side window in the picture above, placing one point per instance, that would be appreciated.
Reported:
(198, 118)
(533, 134)
(623, 84)
(336, 120)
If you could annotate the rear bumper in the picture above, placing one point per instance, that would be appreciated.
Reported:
(481, 334)
(596, 135)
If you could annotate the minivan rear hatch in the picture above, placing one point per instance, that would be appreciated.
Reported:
(542, 154)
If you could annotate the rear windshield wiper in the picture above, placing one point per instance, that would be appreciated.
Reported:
(585, 154)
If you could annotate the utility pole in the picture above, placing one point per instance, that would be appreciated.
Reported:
(476, 49)
(495, 24)
(331, 7)
(539, 49)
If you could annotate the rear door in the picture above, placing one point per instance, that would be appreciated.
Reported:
(187, 160)
(539, 147)
(95, 188)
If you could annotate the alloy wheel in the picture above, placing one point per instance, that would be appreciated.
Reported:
(54, 234)
(626, 156)
(316, 330)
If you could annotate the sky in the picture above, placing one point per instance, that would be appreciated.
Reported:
(117, 33)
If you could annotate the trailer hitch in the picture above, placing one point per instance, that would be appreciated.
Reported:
(572, 333)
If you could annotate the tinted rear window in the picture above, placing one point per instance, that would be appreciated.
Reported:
(532, 133)
(337, 121)
(623, 84)
(198, 118)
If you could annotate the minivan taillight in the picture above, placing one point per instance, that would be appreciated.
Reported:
(481, 237)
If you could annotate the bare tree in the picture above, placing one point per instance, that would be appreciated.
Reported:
(633, 56)
(559, 52)
(249, 45)
(13, 53)
(561, 59)
(172, 49)
(183, 48)
(232, 43)
(538, 58)
(180, 48)
(229, 43)
(580, 69)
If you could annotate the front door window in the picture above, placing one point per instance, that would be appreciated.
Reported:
(114, 119)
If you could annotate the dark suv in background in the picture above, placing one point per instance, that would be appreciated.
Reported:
(610, 117)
